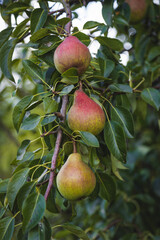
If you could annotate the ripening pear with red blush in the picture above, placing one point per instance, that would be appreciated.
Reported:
(138, 9)
(72, 53)
(75, 179)
(85, 114)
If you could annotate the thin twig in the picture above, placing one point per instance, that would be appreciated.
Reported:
(57, 11)
(49, 133)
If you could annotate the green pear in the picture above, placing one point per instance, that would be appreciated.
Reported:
(85, 114)
(138, 9)
(75, 179)
(72, 53)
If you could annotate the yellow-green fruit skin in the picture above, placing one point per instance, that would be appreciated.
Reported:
(72, 53)
(75, 179)
(138, 9)
(85, 114)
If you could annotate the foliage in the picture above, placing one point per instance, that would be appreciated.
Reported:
(130, 97)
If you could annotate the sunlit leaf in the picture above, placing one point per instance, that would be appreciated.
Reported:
(31, 122)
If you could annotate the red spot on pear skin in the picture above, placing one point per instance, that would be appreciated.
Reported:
(85, 114)
(72, 53)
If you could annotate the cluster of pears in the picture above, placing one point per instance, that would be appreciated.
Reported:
(75, 179)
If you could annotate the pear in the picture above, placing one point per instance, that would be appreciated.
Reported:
(138, 9)
(75, 179)
(85, 114)
(72, 53)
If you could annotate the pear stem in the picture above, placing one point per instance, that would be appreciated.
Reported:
(80, 85)
(74, 146)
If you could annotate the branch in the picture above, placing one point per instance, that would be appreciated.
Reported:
(68, 14)
(57, 147)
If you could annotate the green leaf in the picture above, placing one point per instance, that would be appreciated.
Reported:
(38, 19)
(24, 192)
(125, 119)
(70, 76)
(107, 186)
(6, 53)
(48, 119)
(14, 185)
(109, 67)
(77, 231)
(70, 72)
(152, 97)
(6, 228)
(34, 105)
(21, 235)
(16, 7)
(121, 20)
(115, 140)
(45, 49)
(22, 149)
(91, 24)
(32, 69)
(50, 105)
(40, 232)
(34, 233)
(84, 38)
(112, 43)
(94, 160)
(115, 166)
(66, 90)
(89, 139)
(31, 122)
(19, 111)
(153, 53)
(4, 185)
(4, 35)
(63, 21)
(120, 88)
(51, 204)
(2, 212)
(20, 28)
(39, 34)
(107, 9)
(33, 210)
